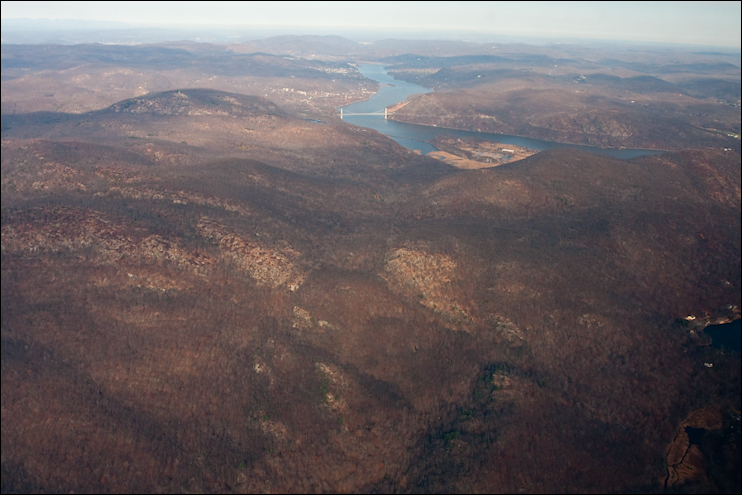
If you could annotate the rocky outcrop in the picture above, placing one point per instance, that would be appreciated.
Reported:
(177, 197)
(427, 278)
(269, 266)
(334, 385)
(92, 236)
(49, 176)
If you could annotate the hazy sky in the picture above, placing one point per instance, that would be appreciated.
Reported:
(709, 23)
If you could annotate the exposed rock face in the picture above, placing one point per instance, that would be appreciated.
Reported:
(103, 240)
(271, 267)
(51, 175)
(177, 197)
(334, 385)
(427, 277)
(94, 237)
(154, 281)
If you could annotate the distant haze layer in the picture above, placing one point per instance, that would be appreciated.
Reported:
(699, 23)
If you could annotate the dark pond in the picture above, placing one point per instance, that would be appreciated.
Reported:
(727, 335)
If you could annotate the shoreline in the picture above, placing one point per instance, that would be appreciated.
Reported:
(391, 117)
(478, 153)
(461, 163)
(589, 148)
(397, 106)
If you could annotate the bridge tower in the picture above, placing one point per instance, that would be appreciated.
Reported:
(384, 113)
(341, 114)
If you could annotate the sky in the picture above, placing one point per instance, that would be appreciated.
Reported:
(697, 23)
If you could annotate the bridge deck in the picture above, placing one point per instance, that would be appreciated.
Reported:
(379, 113)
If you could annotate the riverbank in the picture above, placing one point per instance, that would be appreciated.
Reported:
(420, 136)
(586, 147)
(473, 153)
(459, 162)
(397, 106)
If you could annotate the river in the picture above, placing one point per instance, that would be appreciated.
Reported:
(417, 137)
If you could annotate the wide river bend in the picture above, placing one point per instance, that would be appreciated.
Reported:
(418, 137)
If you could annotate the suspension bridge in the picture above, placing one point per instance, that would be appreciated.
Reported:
(379, 113)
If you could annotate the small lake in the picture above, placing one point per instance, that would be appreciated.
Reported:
(727, 335)
(417, 137)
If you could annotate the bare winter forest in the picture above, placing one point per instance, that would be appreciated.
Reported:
(211, 283)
